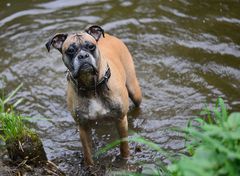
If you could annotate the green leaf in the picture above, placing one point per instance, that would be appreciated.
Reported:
(223, 108)
(2, 138)
(17, 102)
(12, 94)
(234, 120)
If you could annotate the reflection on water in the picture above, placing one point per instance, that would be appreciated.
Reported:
(187, 53)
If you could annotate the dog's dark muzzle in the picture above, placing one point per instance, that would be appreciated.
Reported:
(84, 68)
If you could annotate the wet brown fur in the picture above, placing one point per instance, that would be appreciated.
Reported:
(122, 84)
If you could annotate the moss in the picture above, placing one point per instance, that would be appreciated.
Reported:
(21, 142)
(28, 147)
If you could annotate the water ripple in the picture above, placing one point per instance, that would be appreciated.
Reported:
(117, 24)
(24, 13)
(176, 12)
(221, 48)
(228, 20)
(59, 4)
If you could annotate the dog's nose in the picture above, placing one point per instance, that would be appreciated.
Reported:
(83, 55)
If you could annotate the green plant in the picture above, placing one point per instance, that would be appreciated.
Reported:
(5, 100)
(11, 125)
(213, 146)
(21, 143)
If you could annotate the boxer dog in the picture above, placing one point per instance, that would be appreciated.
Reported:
(101, 77)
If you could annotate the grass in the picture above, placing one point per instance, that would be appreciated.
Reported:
(213, 147)
(11, 124)
(4, 101)
(23, 144)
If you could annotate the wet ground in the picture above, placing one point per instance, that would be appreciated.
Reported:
(186, 53)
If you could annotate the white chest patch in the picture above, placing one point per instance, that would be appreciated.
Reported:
(96, 109)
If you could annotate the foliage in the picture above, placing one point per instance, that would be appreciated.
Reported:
(213, 147)
(11, 124)
(6, 100)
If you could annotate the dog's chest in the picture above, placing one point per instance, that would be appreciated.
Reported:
(94, 108)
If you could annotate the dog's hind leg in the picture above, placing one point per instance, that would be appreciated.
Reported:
(122, 126)
(87, 144)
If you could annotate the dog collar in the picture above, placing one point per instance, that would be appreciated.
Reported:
(105, 78)
(102, 81)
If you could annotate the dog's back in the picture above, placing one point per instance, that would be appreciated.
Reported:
(121, 57)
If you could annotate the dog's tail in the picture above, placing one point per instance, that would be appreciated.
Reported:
(134, 92)
(132, 83)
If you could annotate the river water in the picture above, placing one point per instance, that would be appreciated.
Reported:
(186, 53)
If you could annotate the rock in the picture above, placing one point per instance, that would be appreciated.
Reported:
(27, 148)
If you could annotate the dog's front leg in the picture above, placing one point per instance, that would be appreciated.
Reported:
(86, 143)
(122, 126)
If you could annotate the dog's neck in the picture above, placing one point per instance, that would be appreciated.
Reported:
(91, 85)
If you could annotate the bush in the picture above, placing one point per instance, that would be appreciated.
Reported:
(215, 145)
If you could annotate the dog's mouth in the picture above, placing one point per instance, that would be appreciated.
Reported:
(85, 76)
(87, 67)
(84, 69)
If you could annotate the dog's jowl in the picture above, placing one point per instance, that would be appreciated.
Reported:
(101, 76)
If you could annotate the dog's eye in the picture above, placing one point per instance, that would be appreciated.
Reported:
(90, 46)
(71, 50)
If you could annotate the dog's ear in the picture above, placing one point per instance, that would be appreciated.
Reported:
(56, 41)
(95, 31)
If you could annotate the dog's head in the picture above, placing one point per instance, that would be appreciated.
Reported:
(79, 51)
